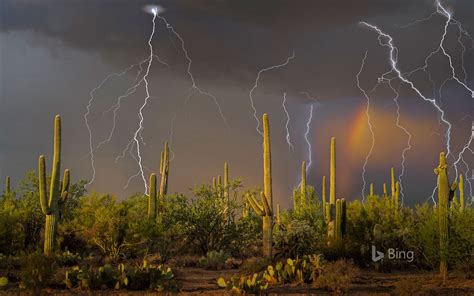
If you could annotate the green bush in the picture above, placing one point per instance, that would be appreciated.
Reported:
(37, 270)
(214, 260)
(144, 277)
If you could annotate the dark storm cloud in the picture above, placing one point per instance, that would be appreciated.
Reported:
(60, 49)
(276, 28)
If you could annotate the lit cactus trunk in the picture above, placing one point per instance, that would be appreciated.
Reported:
(296, 200)
(445, 192)
(264, 208)
(152, 196)
(338, 222)
(385, 190)
(219, 186)
(332, 189)
(323, 194)
(303, 185)
(278, 215)
(225, 189)
(396, 197)
(392, 180)
(164, 171)
(372, 189)
(57, 195)
(7, 185)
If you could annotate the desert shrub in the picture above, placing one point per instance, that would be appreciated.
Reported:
(207, 226)
(254, 284)
(11, 228)
(37, 270)
(144, 277)
(294, 238)
(361, 218)
(337, 276)
(67, 258)
(461, 238)
(103, 223)
(248, 240)
(21, 219)
(254, 264)
(214, 260)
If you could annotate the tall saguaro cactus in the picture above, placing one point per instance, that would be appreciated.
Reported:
(445, 193)
(264, 208)
(152, 196)
(331, 207)
(323, 194)
(164, 170)
(7, 185)
(50, 205)
(332, 172)
(335, 210)
(303, 185)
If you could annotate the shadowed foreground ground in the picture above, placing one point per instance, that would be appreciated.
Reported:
(196, 281)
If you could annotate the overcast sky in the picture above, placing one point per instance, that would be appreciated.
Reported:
(53, 53)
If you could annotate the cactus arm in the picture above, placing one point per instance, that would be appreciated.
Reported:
(258, 209)
(42, 186)
(66, 183)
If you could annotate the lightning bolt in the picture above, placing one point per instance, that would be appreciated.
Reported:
(194, 87)
(393, 56)
(255, 86)
(409, 137)
(308, 129)
(440, 10)
(306, 137)
(288, 140)
(140, 112)
(114, 108)
(369, 123)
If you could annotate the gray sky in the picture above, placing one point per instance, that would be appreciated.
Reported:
(53, 53)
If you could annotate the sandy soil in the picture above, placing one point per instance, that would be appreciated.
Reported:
(196, 281)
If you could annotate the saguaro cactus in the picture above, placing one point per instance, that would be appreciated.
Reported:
(392, 180)
(226, 182)
(57, 195)
(330, 212)
(372, 189)
(396, 196)
(164, 170)
(461, 193)
(152, 196)
(445, 193)
(264, 208)
(303, 185)
(7, 185)
(385, 190)
(323, 194)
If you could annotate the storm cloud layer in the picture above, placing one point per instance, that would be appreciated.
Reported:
(53, 53)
